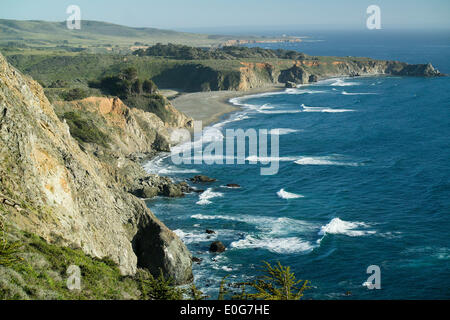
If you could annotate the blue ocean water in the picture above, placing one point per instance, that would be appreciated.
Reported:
(368, 159)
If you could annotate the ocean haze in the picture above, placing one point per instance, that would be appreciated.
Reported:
(185, 15)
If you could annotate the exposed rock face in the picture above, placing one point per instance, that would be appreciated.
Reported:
(295, 75)
(130, 130)
(71, 196)
(290, 85)
(313, 78)
(256, 75)
(149, 186)
(309, 71)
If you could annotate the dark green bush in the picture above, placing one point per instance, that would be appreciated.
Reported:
(74, 94)
(84, 129)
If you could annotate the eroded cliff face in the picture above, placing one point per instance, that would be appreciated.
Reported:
(258, 75)
(308, 71)
(129, 130)
(70, 196)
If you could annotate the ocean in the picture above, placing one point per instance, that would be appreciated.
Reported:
(363, 180)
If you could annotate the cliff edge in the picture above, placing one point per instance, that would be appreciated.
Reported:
(67, 195)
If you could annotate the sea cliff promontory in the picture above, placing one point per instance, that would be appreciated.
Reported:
(75, 194)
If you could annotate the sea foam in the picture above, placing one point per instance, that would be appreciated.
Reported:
(288, 195)
(283, 131)
(277, 245)
(324, 109)
(338, 226)
(207, 195)
(342, 83)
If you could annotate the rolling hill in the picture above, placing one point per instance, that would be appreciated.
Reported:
(17, 33)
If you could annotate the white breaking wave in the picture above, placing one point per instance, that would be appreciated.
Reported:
(279, 111)
(234, 118)
(208, 194)
(327, 161)
(266, 107)
(342, 83)
(357, 93)
(269, 225)
(304, 91)
(288, 195)
(324, 109)
(269, 159)
(277, 245)
(283, 131)
(191, 237)
(338, 226)
(175, 170)
(156, 166)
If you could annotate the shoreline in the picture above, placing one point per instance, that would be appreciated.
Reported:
(211, 106)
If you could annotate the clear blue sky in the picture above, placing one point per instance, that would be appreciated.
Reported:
(179, 14)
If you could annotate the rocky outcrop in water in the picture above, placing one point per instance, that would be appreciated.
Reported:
(304, 72)
(202, 179)
(71, 195)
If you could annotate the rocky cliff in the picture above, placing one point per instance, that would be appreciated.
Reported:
(259, 73)
(70, 195)
(308, 71)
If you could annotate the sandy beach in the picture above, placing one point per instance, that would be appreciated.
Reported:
(211, 106)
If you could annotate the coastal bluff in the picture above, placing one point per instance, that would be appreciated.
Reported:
(71, 197)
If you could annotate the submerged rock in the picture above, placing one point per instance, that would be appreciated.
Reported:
(197, 260)
(313, 78)
(217, 247)
(290, 84)
(202, 179)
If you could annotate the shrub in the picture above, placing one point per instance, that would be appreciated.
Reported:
(276, 283)
(158, 288)
(8, 250)
(84, 129)
(149, 86)
(74, 94)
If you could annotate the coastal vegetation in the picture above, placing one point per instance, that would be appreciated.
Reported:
(183, 52)
(84, 128)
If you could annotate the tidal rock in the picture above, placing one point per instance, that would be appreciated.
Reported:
(290, 84)
(217, 247)
(202, 179)
(313, 78)
(158, 248)
(185, 187)
(197, 260)
(172, 191)
(208, 231)
(233, 185)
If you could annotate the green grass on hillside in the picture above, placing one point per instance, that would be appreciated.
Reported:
(40, 272)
